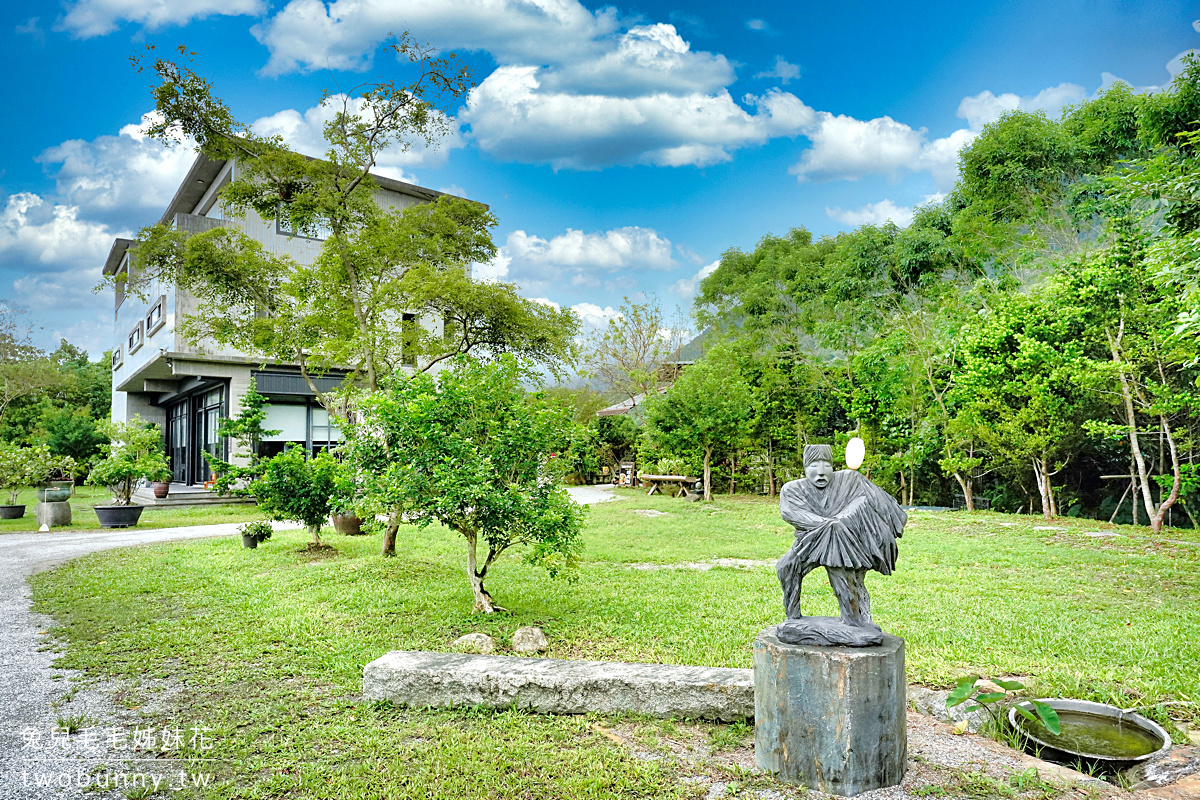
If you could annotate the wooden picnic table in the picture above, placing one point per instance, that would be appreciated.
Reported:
(679, 482)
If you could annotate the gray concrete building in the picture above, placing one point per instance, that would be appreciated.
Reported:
(187, 388)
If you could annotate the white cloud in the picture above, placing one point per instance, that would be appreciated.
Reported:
(311, 35)
(304, 133)
(845, 148)
(574, 89)
(872, 214)
(593, 316)
(87, 18)
(512, 117)
(31, 27)
(111, 176)
(95, 335)
(685, 288)
(494, 270)
(758, 25)
(881, 212)
(545, 266)
(783, 70)
(1175, 65)
(611, 251)
(985, 107)
(52, 236)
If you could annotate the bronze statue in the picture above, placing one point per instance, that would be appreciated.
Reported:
(848, 525)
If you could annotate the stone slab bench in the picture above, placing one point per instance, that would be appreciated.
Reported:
(556, 686)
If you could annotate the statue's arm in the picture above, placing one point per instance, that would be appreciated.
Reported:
(796, 512)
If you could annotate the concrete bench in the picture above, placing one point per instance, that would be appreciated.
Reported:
(555, 686)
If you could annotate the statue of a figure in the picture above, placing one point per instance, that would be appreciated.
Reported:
(848, 525)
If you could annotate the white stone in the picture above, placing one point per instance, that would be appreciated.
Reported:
(530, 640)
(474, 643)
(556, 686)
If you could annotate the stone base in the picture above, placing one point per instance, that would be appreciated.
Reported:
(827, 632)
(830, 718)
(55, 515)
(554, 686)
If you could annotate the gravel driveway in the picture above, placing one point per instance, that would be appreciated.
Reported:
(31, 691)
(34, 695)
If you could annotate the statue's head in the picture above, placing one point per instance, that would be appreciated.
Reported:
(818, 464)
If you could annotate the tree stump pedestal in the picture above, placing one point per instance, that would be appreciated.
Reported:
(54, 515)
(831, 718)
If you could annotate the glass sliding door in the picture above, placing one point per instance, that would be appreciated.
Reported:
(177, 439)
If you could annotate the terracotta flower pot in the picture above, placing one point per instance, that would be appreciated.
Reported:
(161, 488)
(347, 524)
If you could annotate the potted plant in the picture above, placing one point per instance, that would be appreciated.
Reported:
(133, 451)
(254, 533)
(16, 470)
(160, 481)
(57, 481)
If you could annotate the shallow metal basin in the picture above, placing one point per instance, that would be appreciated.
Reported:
(1118, 716)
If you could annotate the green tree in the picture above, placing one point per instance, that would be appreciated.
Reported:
(295, 488)
(247, 432)
(708, 408)
(631, 356)
(470, 449)
(131, 451)
(1021, 387)
(390, 288)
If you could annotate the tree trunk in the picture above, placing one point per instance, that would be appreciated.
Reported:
(1042, 477)
(770, 472)
(1157, 520)
(389, 535)
(315, 530)
(708, 473)
(968, 490)
(483, 600)
(1135, 447)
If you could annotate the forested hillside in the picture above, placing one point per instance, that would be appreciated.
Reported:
(1033, 331)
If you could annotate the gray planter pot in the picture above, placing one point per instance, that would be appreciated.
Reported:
(12, 512)
(118, 516)
(53, 494)
(249, 541)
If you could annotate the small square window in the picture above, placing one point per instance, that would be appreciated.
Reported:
(154, 317)
(135, 338)
(118, 358)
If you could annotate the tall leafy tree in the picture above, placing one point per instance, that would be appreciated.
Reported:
(707, 408)
(470, 449)
(383, 278)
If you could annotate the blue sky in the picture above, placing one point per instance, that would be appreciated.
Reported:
(623, 147)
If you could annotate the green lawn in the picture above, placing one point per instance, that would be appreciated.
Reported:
(83, 518)
(269, 644)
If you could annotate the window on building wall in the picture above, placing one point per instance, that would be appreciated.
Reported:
(154, 317)
(118, 358)
(135, 338)
(283, 226)
(121, 277)
(409, 353)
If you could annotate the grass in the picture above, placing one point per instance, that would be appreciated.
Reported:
(269, 644)
(84, 519)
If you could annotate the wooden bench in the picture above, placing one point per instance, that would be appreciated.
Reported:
(679, 483)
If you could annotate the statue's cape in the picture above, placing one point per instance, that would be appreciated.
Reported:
(851, 523)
